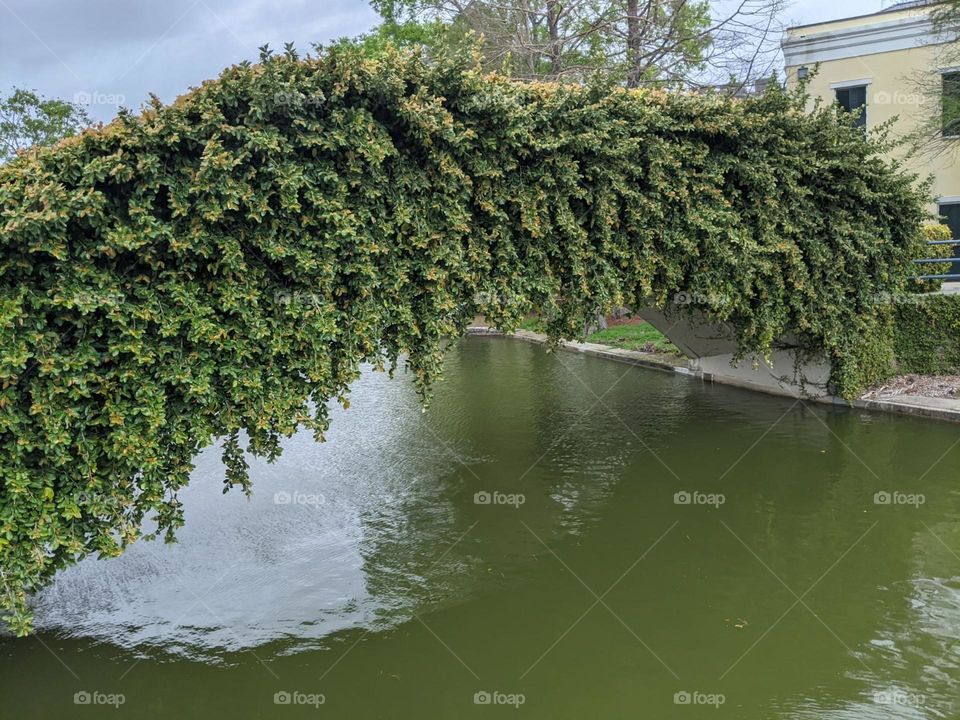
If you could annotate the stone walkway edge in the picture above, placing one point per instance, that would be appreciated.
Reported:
(915, 405)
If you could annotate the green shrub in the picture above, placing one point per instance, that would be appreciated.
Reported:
(927, 335)
(932, 232)
(221, 267)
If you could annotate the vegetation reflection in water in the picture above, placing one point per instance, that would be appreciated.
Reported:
(560, 536)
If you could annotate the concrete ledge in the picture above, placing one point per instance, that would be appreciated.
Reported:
(916, 406)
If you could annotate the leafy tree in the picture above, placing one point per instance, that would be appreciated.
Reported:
(937, 93)
(28, 119)
(392, 32)
(633, 41)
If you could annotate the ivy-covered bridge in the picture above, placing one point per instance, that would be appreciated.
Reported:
(221, 267)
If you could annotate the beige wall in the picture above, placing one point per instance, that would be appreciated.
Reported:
(858, 21)
(899, 90)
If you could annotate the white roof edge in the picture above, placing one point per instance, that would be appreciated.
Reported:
(858, 40)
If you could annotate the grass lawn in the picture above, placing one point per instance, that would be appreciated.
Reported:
(532, 324)
(643, 337)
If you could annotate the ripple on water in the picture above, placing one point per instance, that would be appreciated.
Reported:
(245, 573)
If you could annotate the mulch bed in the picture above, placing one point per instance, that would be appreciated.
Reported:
(613, 320)
(935, 386)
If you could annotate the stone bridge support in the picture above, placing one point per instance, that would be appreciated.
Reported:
(711, 348)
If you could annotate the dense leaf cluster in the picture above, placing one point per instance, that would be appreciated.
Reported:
(933, 232)
(927, 335)
(221, 267)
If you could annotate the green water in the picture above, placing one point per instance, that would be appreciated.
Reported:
(365, 574)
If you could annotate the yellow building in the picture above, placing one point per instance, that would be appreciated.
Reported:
(894, 64)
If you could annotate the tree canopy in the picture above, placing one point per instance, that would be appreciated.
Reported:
(28, 119)
(635, 42)
(220, 268)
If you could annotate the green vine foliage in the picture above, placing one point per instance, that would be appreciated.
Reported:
(932, 232)
(927, 335)
(221, 267)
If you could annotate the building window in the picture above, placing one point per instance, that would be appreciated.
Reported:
(950, 216)
(951, 104)
(853, 99)
(803, 73)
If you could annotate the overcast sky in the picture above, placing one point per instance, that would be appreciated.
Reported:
(110, 52)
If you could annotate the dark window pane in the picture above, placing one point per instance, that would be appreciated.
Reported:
(852, 99)
(843, 97)
(951, 103)
(950, 212)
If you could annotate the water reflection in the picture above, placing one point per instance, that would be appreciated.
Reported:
(293, 562)
(368, 557)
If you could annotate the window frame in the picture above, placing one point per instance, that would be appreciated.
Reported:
(942, 202)
(848, 87)
(954, 76)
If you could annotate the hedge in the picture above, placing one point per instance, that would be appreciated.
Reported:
(220, 268)
(934, 231)
(927, 335)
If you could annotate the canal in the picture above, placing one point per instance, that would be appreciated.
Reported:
(557, 537)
